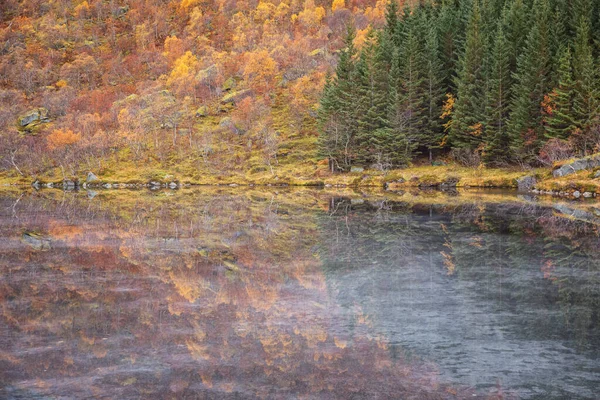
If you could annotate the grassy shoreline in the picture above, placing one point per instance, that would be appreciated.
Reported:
(317, 175)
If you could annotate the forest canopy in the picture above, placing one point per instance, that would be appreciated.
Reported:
(494, 81)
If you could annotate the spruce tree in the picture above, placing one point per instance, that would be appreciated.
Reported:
(337, 115)
(532, 81)
(586, 105)
(559, 119)
(467, 124)
(411, 95)
(497, 107)
(435, 91)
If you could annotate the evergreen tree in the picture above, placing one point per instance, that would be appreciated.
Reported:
(586, 105)
(559, 120)
(497, 107)
(411, 96)
(337, 115)
(372, 95)
(467, 124)
(435, 90)
(532, 81)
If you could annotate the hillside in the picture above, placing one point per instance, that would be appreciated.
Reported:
(143, 88)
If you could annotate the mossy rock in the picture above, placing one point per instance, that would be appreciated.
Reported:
(202, 112)
(33, 118)
(229, 84)
(234, 97)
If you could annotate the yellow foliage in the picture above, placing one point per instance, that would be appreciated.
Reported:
(183, 67)
(337, 4)
(62, 138)
(61, 84)
(260, 70)
(185, 4)
(263, 11)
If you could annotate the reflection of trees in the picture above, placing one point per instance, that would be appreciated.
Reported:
(212, 294)
(522, 256)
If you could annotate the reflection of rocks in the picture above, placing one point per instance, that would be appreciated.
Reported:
(36, 240)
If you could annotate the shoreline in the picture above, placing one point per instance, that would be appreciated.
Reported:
(581, 184)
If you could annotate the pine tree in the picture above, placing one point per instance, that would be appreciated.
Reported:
(435, 90)
(559, 110)
(337, 115)
(516, 28)
(497, 107)
(532, 81)
(467, 125)
(411, 96)
(372, 95)
(586, 105)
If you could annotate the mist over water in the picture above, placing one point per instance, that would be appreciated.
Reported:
(223, 293)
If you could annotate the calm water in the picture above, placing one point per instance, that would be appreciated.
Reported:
(297, 294)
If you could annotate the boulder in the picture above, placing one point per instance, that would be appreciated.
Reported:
(450, 182)
(577, 194)
(202, 112)
(235, 97)
(33, 118)
(91, 177)
(577, 165)
(526, 183)
(229, 84)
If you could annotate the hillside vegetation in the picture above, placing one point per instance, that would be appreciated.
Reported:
(139, 88)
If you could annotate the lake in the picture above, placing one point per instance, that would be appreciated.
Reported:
(284, 293)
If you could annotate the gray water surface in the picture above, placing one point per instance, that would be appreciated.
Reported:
(222, 293)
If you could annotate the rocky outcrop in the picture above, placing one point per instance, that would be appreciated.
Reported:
(33, 118)
(581, 164)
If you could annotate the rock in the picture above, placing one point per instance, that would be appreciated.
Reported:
(173, 185)
(91, 194)
(36, 184)
(357, 169)
(35, 240)
(50, 185)
(229, 84)
(597, 174)
(68, 184)
(526, 183)
(107, 186)
(202, 112)
(235, 97)
(577, 165)
(587, 194)
(91, 177)
(450, 182)
(33, 118)
(577, 194)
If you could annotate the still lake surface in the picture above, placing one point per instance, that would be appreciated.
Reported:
(284, 294)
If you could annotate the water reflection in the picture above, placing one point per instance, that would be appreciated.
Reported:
(265, 294)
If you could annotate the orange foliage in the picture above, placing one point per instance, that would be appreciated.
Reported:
(260, 71)
(61, 138)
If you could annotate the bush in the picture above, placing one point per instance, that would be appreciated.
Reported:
(555, 150)
(466, 157)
